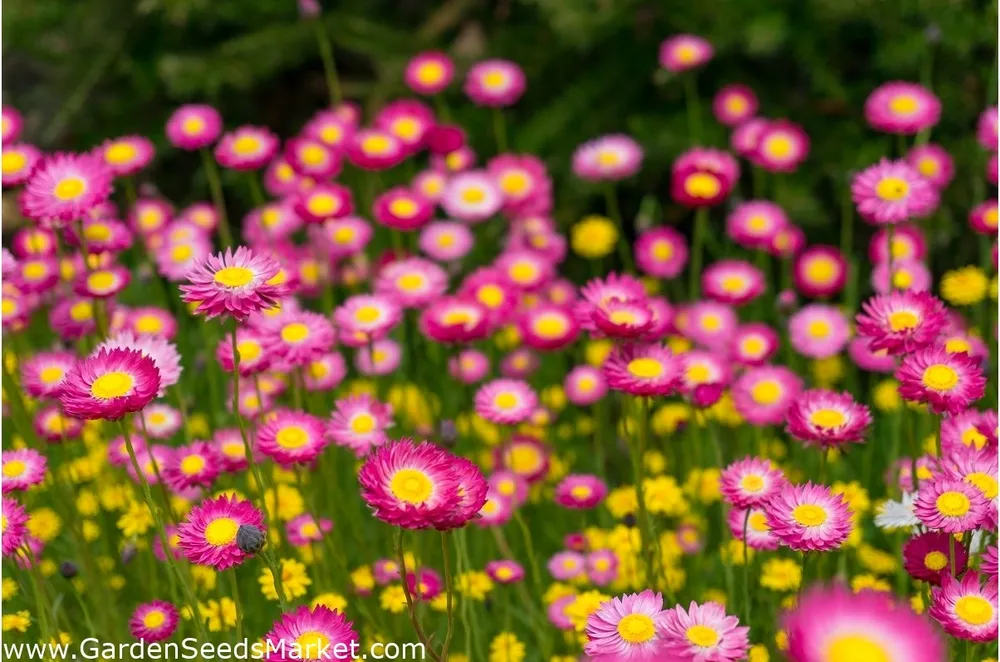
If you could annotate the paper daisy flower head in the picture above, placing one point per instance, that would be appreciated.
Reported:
(962, 431)
(983, 218)
(295, 338)
(809, 518)
(892, 192)
(644, 370)
(103, 282)
(901, 322)
(65, 187)
(110, 384)
(400, 208)
(818, 331)
(429, 73)
(834, 623)
(153, 621)
(472, 196)
(753, 344)
(824, 418)
(548, 327)
(734, 282)
(988, 563)
(505, 572)
(446, 241)
(52, 425)
(684, 51)
(734, 104)
(781, 146)
(161, 420)
(628, 628)
(197, 464)
(703, 632)
(751, 482)
(580, 491)
(233, 284)
(455, 320)
(246, 148)
(966, 609)
(608, 158)
(907, 275)
(332, 130)
(597, 294)
(13, 526)
(986, 128)
(346, 237)
(708, 323)
(703, 177)
(359, 423)
(382, 357)
(472, 494)
(311, 633)
(412, 282)
(374, 149)
(494, 83)
(318, 204)
(103, 235)
(22, 469)
(325, 372)
(164, 354)
(948, 383)
(311, 157)
(704, 368)
(126, 155)
(42, 375)
(758, 533)
(927, 557)
(820, 271)
(11, 124)
(661, 252)
(951, 506)
(407, 119)
(524, 182)
(291, 437)
(17, 163)
(409, 485)
(194, 126)
(250, 346)
(364, 318)
(36, 275)
(934, 163)
(505, 401)
(150, 216)
(306, 528)
(902, 108)
(208, 533)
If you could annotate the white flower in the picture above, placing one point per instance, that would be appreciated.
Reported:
(897, 514)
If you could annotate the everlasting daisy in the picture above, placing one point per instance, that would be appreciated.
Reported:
(149, 216)
(903, 108)
(781, 146)
(608, 158)
(754, 521)
(346, 236)
(110, 384)
(644, 371)
(909, 275)
(951, 506)
(834, 623)
(42, 375)
(446, 241)
(908, 243)
(754, 223)
(295, 338)
(868, 359)
(408, 120)
(818, 331)
(472, 196)
(734, 104)
(194, 126)
(751, 482)
(374, 149)
(208, 534)
(927, 557)
(325, 372)
(429, 73)
(22, 469)
(305, 529)
(250, 346)
(413, 282)
(11, 123)
(196, 464)
(402, 209)
(455, 320)
(36, 275)
(947, 382)
(629, 628)
(983, 218)
(961, 431)
(104, 235)
(17, 163)
(548, 327)
(708, 323)
(703, 177)
(320, 203)
(153, 621)
(409, 485)
(732, 281)
(382, 357)
(359, 423)
(469, 366)
(126, 155)
(808, 518)
(364, 318)
(13, 529)
(161, 421)
(104, 282)
(494, 83)
(661, 252)
(820, 271)
(703, 632)
(683, 52)
(505, 401)
(703, 368)
(505, 572)
(311, 157)
(231, 451)
(988, 564)
(933, 162)
(754, 344)
(967, 609)
(472, 491)
(827, 419)
(291, 437)
(64, 187)
(164, 354)
(525, 456)
(524, 182)
(580, 491)
(310, 633)
(233, 284)
(246, 148)
(986, 128)
(892, 192)
(901, 322)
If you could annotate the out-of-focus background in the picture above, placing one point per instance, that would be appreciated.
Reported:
(84, 70)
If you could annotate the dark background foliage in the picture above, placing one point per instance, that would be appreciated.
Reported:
(84, 70)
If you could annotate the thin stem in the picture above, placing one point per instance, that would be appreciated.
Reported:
(693, 111)
(746, 571)
(697, 246)
(500, 130)
(639, 471)
(615, 212)
(258, 477)
(239, 603)
(256, 192)
(329, 65)
(279, 585)
(218, 199)
(951, 555)
(401, 560)
(448, 586)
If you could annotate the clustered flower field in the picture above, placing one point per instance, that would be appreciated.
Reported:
(398, 401)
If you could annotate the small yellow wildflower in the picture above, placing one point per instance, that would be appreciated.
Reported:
(593, 237)
(294, 580)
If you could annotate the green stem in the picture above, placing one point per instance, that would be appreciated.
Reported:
(256, 192)
(446, 556)
(746, 572)
(239, 604)
(401, 560)
(615, 212)
(218, 199)
(693, 111)
(697, 243)
(329, 65)
(500, 130)
(639, 471)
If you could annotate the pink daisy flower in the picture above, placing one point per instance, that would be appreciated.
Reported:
(455, 320)
(683, 52)
(161, 421)
(409, 485)
(494, 83)
(320, 203)
(231, 451)
(428, 73)
(758, 533)
(469, 366)
(661, 252)
(505, 572)
(986, 129)
(826, 419)
(644, 370)
(14, 529)
(153, 621)
(402, 209)
(346, 236)
(208, 534)
(194, 126)
(126, 155)
(567, 566)
(164, 354)
(892, 192)
(745, 136)
(872, 360)
(472, 196)
(809, 518)
(250, 346)
(246, 148)
(65, 187)
(330, 128)
(306, 529)
(946, 382)
(196, 464)
(927, 557)
(505, 401)
(933, 162)
(104, 235)
(988, 563)
(608, 158)
(983, 218)
(472, 494)
(524, 182)
(22, 469)
(753, 224)
(11, 123)
(708, 323)
(831, 622)
(732, 281)
(148, 216)
(36, 275)
(903, 108)
(233, 284)
(951, 506)
(754, 344)
(413, 282)
(818, 331)
(374, 149)
(430, 184)
(110, 384)
(311, 157)
(751, 482)
(103, 282)
(820, 271)
(629, 628)
(703, 177)
(901, 322)
(525, 456)
(781, 146)
(382, 357)
(548, 327)
(703, 632)
(967, 609)
(359, 422)
(907, 275)
(325, 372)
(17, 163)
(407, 119)
(580, 491)
(295, 338)
(446, 241)
(734, 104)
(291, 437)
(310, 633)
(364, 318)
(962, 431)
(702, 368)
(42, 375)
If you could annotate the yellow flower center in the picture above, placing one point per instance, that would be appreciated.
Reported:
(702, 185)
(990, 217)
(322, 204)
(14, 468)
(940, 377)
(70, 188)
(154, 619)
(822, 269)
(181, 253)
(246, 145)
(403, 207)
(662, 250)
(310, 530)
(291, 437)
(294, 332)
(523, 272)
(928, 167)
(34, 270)
(249, 350)
(818, 329)
(622, 317)
(376, 144)
(331, 134)
(192, 464)
(410, 282)
(495, 79)
(233, 276)
(430, 72)
(406, 127)
(157, 418)
(312, 645)
(312, 155)
(645, 368)
(766, 392)
(778, 146)
(506, 400)
(120, 153)
(736, 104)
(809, 515)
(702, 635)
(827, 418)
(733, 284)
(344, 234)
(473, 196)
(411, 486)
(363, 423)
(752, 483)
(580, 492)
(636, 628)
(490, 296)
(97, 232)
(892, 189)
(753, 346)
(903, 104)
(856, 648)
(758, 523)
(903, 320)
(221, 531)
(52, 374)
(985, 483)
(101, 281)
(686, 53)
(193, 125)
(112, 385)
(935, 561)
(711, 322)
(550, 326)
(974, 609)
(698, 373)
(953, 504)
(973, 437)
(902, 279)
(513, 182)
(13, 162)
(81, 311)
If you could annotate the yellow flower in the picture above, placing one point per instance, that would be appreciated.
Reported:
(964, 287)
(829, 371)
(781, 640)
(781, 575)
(732, 552)
(557, 590)
(136, 520)
(876, 561)
(19, 621)
(204, 577)
(917, 603)
(63, 638)
(655, 462)
(362, 578)
(8, 589)
(758, 653)
(886, 395)
(663, 496)
(871, 583)
(703, 484)
(474, 584)
(91, 530)
(87, 503)
(117, 582)
(724, 411)
(218, 614)
(44, 524)
(596, 351)
(393, 599)
(507, 338)
(290, 502)
(622, 501)
(505, 647)
(594, 237)
(330, 601)
(583, 606)
(115, 497)
(854, 494)
(669, 417)
(553, 397)
(48, 567)
(294, 580)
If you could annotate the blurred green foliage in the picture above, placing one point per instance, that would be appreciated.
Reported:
(84, 70)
